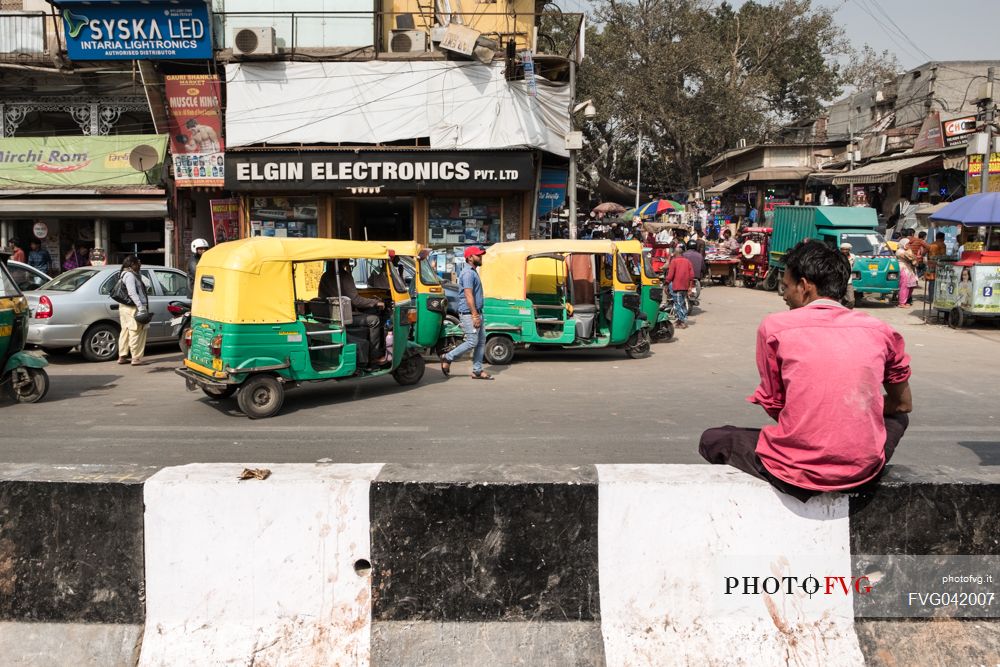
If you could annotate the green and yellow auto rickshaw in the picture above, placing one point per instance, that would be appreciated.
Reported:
(22, 375)
(425, 290)
(263, 319)
(640, 264)
(560, 294)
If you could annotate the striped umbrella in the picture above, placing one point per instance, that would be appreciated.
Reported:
(658, 207)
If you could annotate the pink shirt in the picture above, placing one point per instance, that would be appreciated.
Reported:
(821, 372)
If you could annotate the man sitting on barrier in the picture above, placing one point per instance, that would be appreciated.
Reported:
(822, 370)
(366, 312)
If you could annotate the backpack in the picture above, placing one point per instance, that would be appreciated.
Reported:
(119, 292)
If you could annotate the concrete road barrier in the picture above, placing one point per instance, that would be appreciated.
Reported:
(624, 565)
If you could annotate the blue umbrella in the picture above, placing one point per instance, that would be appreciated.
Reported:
(972, 210)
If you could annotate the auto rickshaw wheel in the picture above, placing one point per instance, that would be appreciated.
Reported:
(220, 392)
(638, 345)
(956, 318)
(749, 282)
(448, 343)
(771, 280)
(663, 331)
(410, 370)
(499, 350)
(28, 385)
(260, 396)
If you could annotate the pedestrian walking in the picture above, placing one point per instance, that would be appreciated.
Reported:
(822, 371)
(845, 250)
(677, 280)
(18, 254)
(39, 257)
(470, 315)
(907, 277)
(133, 317)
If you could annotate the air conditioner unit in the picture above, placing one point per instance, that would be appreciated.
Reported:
(408, 41)
(253, 41)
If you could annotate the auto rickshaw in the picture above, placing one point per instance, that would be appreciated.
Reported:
(425, 290)
(22, 375)
(259, 324)
(754, 244)
(639, 260)
(560, 293)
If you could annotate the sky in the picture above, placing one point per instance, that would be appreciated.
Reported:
(943, 29)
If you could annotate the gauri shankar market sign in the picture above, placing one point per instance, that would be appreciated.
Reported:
(134, 31)
(195, 129)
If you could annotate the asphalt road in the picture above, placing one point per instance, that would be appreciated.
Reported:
(548, 407)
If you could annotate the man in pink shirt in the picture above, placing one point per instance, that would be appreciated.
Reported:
(822, 370)
(677, 282)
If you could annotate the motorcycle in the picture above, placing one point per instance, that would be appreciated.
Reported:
(180, 324)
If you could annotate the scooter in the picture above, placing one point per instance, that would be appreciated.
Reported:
(180, 324)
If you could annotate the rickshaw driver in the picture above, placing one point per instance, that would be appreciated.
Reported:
(361, 307)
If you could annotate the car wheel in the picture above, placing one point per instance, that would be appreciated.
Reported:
(220, 392)
(260, 396)
(28, 385)
(410, 370)
(499, 350)
(100, 343)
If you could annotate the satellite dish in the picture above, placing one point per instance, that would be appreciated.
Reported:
(143, 157)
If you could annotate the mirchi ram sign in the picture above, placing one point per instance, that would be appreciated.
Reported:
(133, 31)
(374, 172)
(31, 162)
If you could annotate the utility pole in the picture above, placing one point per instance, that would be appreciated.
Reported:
(850, 149)
(638, 168)
(571, 185)
(988, 119)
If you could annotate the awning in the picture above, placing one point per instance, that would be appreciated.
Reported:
(882, 172)
(719, 188)
(823, 177)
(780, 174)
(930, 209)
(92, 207)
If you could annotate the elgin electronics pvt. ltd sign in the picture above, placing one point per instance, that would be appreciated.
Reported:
(379, 171)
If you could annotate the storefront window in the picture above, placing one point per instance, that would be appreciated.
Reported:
(454, 224)
(284, 217)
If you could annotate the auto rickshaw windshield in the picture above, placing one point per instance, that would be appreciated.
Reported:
(7, 287)
(866, 244)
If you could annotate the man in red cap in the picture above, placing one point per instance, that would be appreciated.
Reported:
(470, 314)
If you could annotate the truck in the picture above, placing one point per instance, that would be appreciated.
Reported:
(875, 269)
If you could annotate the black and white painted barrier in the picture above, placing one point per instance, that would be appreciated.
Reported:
(370, 564)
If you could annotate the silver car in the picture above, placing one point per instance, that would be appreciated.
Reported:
(75, 309)
(27, 277)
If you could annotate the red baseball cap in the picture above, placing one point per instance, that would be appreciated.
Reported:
(473, 250)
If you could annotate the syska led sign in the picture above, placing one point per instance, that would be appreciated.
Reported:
(129, 31)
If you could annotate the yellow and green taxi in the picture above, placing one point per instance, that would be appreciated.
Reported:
(259, 323)
(560, 294)
(425, 290)
(640, 265)
(22, 375)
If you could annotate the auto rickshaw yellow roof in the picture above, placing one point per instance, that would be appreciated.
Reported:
(404, 248)
(247, 255)
(538, 246)
(632, 247)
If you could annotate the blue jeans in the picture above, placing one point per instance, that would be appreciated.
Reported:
(475, 340)
(680, 304)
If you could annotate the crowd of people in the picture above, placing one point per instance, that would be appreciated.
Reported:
(39, 258)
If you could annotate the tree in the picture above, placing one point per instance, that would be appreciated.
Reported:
(870, 69)
(694, 77)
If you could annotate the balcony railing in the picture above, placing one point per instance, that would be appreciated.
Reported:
(312, 33)
(23, 35)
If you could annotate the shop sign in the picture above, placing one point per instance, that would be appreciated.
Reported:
(994, 168)
(40, 230)
(225, 219)
(195, 129)
(137, 31)
(957, 130)
(552, 191)
(379, 172)
(974, 176)
(124, 159)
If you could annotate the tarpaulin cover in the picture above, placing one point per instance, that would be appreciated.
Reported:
(458, 105)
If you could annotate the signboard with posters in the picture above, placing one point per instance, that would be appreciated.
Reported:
(225, 219)
(994, 167)
(98, 30)
(195, 129)
(957, 130)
